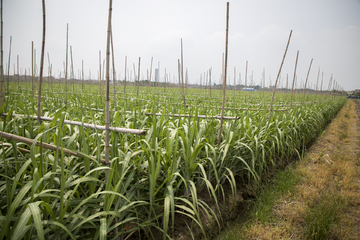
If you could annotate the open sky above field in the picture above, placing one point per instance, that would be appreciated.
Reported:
(326, 30)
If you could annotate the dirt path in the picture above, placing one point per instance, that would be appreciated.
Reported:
(325, 204)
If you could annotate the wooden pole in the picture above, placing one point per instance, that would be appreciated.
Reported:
(224, 77)
(292, 89)
(307, 77)
(282, 62)
(107, 114)
(41, 64)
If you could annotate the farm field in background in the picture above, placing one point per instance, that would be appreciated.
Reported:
(153, 177)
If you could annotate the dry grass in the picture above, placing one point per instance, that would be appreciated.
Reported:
(328, 196)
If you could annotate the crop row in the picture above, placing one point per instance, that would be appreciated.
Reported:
(151, 178)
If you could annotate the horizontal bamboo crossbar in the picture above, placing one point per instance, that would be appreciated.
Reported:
(19, 148)
(188, 115)
(87, 125)
(29, 141)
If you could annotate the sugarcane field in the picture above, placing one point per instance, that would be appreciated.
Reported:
(114, 145)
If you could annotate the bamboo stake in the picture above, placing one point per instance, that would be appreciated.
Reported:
(317, 81)
(134, 75)
(182, 72)
(246, 80)
(272, 99)
(125, 75)
(186, 81)
(322, 78)
(138, 81)
(165, 81)
(72, 70)
(100, 70)
(149, 87)
(210, 81)
(49, 65)
(287, 79)
(2, 58)
(44, 145)
(113, 66)
(18, 74)
(329, 86)
(234, 81)
(66, 66)
(307, 77)
(292, 89)
(82, 75)
(41, 64)
(179, 77)
(32, 69)
(9, 66)
(107, 114)
(224, 77)
(263, 88)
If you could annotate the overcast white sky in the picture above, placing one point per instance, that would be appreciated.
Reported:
(326, 30)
